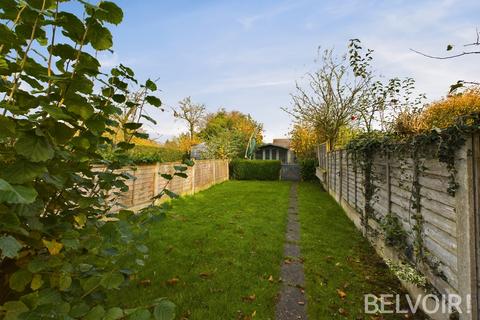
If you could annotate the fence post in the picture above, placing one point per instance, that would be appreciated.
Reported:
(389, 182)
(214, 171)
(355, 177)
(340, 181)
(155, 178)
(193, 177)
(228, 170)
(133, 188)
(347, 177)
(327, 169)
(335, 171)
(467, 166)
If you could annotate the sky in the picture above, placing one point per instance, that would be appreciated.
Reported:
(247, 55)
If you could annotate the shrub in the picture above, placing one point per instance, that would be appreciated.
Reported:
(63, 246)
(149, 154)
(444, 113)
(440, 114)
(308, 169)
(255, 169)
(408, 123)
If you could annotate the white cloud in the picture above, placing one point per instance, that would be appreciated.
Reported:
(248, 22)
(108, 60)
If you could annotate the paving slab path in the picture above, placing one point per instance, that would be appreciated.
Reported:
(292, 302)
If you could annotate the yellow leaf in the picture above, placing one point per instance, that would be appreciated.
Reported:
(37, 282)
(81, 219)
(53, 246)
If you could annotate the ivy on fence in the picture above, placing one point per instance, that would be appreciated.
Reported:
(444, 145)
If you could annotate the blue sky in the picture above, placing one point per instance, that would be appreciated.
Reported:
(246, 55)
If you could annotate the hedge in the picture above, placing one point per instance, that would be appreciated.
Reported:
(255, 169)
(308, 169)
(147, 154)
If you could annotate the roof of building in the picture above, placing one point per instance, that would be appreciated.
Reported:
(280, 143)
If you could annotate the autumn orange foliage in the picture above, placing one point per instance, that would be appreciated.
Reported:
(304, 141)
(439, 114)
(444, 113)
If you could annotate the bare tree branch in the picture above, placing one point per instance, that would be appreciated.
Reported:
(446, 57)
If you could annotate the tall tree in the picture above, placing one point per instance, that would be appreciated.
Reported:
(328, 101)
(190, 112)
(304, 141)
(234, 124)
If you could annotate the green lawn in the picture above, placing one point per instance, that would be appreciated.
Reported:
(340, 265)
(218, 253)
(214, 254)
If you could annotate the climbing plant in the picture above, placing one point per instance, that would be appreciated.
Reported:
(440, 143)
(63, 245)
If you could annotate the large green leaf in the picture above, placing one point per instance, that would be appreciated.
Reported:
(100, 37)
(16, 194)
(164, 310)
(14, 309)
(96, 313)
(114, 314)
(79, 106)
(22, 171)
(3, 63)
(19, 280)
(64, 281)
(154, 101)
(140, 314)
(9, 246)
(7, 127)
(110, 12)
(150, 85)
(112, 280)
(73, 27)
(34, 147)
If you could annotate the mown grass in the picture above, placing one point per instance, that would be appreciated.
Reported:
(340, 265)
(217, 252)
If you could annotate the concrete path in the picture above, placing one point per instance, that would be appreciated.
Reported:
(292, 303)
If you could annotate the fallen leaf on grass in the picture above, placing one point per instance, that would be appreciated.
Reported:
(243, 316)
(145, 282)
(172, 282)
(205, 275)
(270, 278)
(343, 312)
(249, 298)
(341, 294)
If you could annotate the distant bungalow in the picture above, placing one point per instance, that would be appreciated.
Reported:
(279, 149)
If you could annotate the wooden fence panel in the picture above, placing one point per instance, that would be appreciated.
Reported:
(147, 181)
(442, 214)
